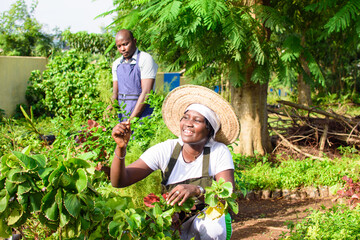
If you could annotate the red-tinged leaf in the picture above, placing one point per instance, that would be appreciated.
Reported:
(150, 199)
(340, 192)
(165, 195)
(355, 196)
(92, 123)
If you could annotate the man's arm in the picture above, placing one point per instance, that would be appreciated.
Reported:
(114, 96)
(146, 86)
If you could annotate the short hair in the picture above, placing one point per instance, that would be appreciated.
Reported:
(126, 30)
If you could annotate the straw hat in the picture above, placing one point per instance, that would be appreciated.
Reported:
(181, 97)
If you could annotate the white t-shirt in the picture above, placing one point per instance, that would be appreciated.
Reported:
(158, 157)
(147, 65)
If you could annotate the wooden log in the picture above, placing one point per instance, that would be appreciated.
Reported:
(287, 143)
(348, 122)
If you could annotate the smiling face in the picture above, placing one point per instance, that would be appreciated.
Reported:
(125, 44)
(193, 128)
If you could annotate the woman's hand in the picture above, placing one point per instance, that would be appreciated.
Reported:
(182, 192)
(121, 134)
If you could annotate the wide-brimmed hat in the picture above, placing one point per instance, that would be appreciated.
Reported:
(181, 97)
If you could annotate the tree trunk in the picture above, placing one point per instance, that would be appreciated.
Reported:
(249, 103)
(304, 91)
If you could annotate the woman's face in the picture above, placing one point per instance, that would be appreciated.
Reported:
(193, 128)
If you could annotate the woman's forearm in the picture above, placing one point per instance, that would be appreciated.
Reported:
(118, 171)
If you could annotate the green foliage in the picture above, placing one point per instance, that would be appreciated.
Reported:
(292, 174)
(148, 129)
(59, 198)
(21, 192)
(21, 34)
(210, 38)
(90, 42)
(69, 87)
(347, 12)
(219, 192)
(338, 222)
(57, 194)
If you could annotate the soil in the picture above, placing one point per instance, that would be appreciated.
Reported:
(266, 219)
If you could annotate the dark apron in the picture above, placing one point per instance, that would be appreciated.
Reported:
(204, 181)
(129, 88)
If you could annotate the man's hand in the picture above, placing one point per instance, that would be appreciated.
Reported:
(121, 134)
(109, 108)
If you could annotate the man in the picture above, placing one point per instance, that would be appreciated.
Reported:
(133, 77)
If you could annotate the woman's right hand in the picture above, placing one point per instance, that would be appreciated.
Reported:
(121, 134)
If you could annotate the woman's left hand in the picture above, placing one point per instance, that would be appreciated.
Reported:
(182, 192)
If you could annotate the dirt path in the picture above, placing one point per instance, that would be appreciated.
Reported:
(265, 219)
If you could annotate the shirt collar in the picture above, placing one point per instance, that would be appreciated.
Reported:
(132, 59)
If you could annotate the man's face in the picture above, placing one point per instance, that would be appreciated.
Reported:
(126, 46)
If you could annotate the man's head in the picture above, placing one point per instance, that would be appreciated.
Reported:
(125, 43)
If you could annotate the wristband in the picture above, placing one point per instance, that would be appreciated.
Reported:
(202, 190)
(121, 158)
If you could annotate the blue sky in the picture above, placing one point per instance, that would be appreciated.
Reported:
(77, 14)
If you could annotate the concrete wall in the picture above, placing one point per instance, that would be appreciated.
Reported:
(14, 75)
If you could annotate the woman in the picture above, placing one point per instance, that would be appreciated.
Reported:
(205, 124)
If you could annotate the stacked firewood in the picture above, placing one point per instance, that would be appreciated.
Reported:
(311, 132)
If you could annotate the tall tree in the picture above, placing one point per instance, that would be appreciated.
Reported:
(211, 39)
(241, 41)
(21, 34)
(340, 41)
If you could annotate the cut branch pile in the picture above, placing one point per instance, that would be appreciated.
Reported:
(311, 132)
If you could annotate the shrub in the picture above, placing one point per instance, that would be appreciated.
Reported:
(338, 222)
(69, 87)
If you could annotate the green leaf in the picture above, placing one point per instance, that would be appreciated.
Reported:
(85, 224)
(211, 199)
(27, 149)
(72, 204)
(77, 163)
(233, 205)
(228, 186)
(97, 215)
(55, 176)
(11, 188)
(26, 161)
(157, 210)
(96, 234)
(80, 180)
(15, 215)
(44, 174)
(119, 204)
(49, 206)
(35, 201)
(88, 155)
(115, 229)
(64, 217)
(224, 193)
(137, 219)
(24, 188)
(40, 159)
(11, 161)
(48, 223)
(188, 204)
(4, 200)
(67, 182)
(16, 176)
(5, 230)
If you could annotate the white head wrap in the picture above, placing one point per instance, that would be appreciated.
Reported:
(209, 114)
